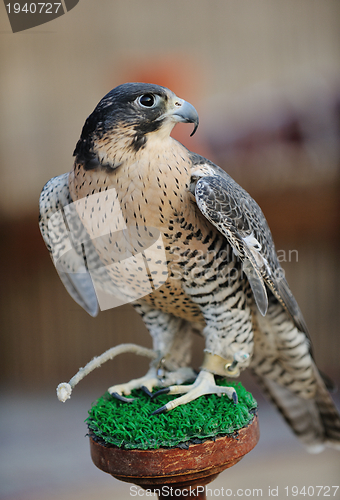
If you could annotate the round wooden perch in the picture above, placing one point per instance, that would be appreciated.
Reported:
(175, 467)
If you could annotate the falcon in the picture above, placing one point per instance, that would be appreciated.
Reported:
(132, 182)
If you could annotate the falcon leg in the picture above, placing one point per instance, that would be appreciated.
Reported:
(204, 384)
(172, 340)
(229, 338)
(227, 306)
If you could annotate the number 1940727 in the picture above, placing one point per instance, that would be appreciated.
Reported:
(33, 8)
(318, 491)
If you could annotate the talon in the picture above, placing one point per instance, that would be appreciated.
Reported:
(147, 392)
(149, 381)
(166, 390)
(162, 409)
(204, 384)
(122, 398)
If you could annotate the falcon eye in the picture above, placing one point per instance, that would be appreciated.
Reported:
(147, 100)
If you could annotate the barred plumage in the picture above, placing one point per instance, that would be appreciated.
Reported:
(219, 275)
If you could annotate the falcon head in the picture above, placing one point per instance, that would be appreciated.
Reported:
(124, 120)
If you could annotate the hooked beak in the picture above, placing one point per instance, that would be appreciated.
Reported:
(185, 112)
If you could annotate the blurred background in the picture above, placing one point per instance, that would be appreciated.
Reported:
(265, 78)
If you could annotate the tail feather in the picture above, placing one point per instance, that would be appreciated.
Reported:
(329, 415)
(316, 422)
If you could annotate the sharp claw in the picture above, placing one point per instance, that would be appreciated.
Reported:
(147, 392)
(204, 384)
(166, 390)
(162, 409)
(122, 398)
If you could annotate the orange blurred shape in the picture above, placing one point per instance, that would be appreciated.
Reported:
(178, 72)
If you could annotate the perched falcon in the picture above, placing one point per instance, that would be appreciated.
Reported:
(132, 181)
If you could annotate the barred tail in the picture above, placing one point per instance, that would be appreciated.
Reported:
(316, 422)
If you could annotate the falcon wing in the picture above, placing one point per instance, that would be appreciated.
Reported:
(238, 217)
(63, 236)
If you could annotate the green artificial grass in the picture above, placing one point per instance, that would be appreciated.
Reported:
(131, 425)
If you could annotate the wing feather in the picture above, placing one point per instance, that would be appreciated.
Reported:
(239, 218)
(68, 257)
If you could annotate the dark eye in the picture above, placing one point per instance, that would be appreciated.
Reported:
(147, 100)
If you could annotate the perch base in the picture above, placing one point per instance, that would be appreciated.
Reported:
(176, 468)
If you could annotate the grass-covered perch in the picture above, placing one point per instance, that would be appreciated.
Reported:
(131, 425)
